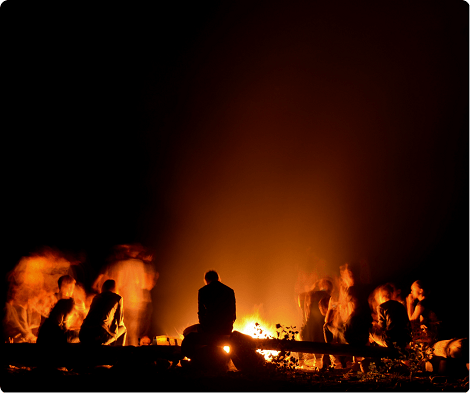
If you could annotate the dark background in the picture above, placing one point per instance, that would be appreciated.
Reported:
(258, 138)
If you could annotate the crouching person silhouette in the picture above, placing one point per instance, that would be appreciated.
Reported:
(393, 326)
(55, 329)
(104, 324)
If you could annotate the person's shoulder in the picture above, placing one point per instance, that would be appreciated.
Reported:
(219, 286)
(110, 295)
(424, 303)
(225, 286)
(116, 296)
(392, 304)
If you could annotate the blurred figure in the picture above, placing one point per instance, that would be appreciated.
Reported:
(31, 287)
(348, 318)
(314, 306)
(130, 266)
(56, 328)
(393, 325)
(359, 319)
(104, 324)
(375, 298)
(17, 326)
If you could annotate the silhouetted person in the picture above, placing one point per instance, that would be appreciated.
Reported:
(348, 319)
(313, 309)
(216, 307)
(104, 323)
(66, 287)
(358, 323)
(448, 354)
(55, 329)
(424, 321)
(314, 306)
(130, 266)
(217, 313)
(393, 325)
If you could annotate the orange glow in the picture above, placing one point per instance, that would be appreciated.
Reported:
(227, 349)
(135, 276)
(33, 281)
(255, 327)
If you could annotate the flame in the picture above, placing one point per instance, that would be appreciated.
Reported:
(256, 327)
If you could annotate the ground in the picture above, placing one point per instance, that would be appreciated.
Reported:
(160, 377)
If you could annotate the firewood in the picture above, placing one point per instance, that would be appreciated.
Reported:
(77, 354)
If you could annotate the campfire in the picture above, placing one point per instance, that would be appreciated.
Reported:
(255, 327)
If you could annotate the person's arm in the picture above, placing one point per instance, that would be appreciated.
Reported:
(331, 310)
(119, 316)
(414, 312)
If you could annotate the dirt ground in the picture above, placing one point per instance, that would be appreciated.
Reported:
(161, 377)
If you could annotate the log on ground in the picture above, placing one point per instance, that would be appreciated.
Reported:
(77, 354)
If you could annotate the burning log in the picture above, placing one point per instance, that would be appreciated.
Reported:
(238, 339)
(243, 348)
(324, 348)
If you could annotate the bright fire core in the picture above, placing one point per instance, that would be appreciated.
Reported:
(255, 327)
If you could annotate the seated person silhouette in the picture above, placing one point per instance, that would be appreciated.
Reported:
(55, 329)
(216, 307)
(393, 325)
(425, 324)
(104, 323)
(216, 313)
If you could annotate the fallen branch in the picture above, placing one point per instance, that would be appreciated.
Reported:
(77, 354)
(238, 339)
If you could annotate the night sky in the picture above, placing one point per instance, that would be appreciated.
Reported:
(257, 138)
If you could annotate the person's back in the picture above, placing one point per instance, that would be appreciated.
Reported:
(393, 320)
(55, 329)
(216, 307)
(313, 329)
(104, 323)
(359, 322)
(102, 311)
